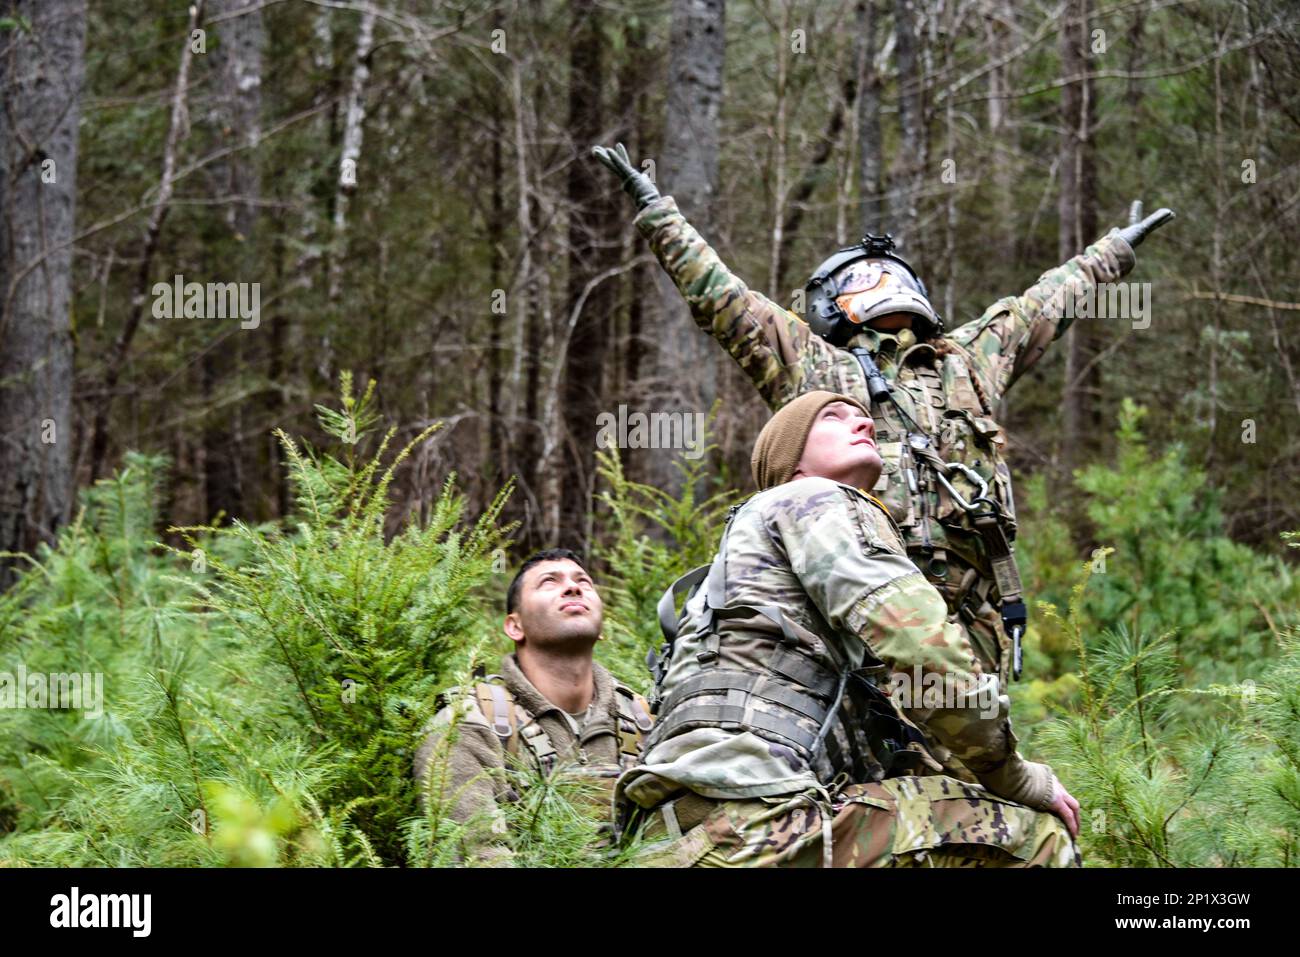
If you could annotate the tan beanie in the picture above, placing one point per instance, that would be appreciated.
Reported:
(780, 444)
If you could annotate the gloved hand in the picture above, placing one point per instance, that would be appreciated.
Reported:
(637, 184)
(1137, 227)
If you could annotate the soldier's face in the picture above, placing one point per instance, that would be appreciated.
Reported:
(841, 446)
(558, 605)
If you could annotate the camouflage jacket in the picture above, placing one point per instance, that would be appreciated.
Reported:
(830, 558)
(950, 386)
(476, 759)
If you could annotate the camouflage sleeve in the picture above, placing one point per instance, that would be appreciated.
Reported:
(460, 767)
(766, 339)
(1014, 332)
(864, 586)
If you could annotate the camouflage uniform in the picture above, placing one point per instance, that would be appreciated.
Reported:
(813, 581)
(506, 722)
(949, 386)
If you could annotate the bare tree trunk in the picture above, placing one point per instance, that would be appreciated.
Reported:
(1078, 227)
(950, 223)
(1216, 254)
(998, 18)
(631, 91)
(592, 251)
(531, 316)
(41, 70)
(778, 153)
(177, 130)
(689, 172)
(912, 153)
(239, 115)
(813, 174)
(1133, 94)
(498, 459)
(875, 214)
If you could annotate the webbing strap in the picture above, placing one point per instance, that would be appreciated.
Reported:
(1001, 557)
(802, 670)
(712, 715)
(668, 603)
(714, 576)
(771, 612)
(633, 721)
(539, 743)
(496, 706)
(714, 681)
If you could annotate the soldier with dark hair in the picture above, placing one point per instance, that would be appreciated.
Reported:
(869, 330)
(776, 743)
(551, 708)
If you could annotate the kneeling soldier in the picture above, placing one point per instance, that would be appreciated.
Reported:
(774, 743)
(551, 708)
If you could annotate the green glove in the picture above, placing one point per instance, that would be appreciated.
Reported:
(635, 183)
(1137, 227)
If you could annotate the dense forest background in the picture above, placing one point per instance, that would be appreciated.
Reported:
(409, 184)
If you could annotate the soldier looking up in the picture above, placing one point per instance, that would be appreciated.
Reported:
(551, 708)
(775, 744)
(868, 330)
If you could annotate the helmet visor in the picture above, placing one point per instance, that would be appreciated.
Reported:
(867, 274)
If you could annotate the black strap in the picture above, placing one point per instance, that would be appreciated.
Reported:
(668, 603)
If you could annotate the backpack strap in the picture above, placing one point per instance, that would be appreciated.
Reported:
(634, 722)
(512, 726)
(497, 705)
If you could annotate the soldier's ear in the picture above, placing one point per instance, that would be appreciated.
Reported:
(514, 628)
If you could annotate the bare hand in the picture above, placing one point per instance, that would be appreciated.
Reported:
(1065, 806)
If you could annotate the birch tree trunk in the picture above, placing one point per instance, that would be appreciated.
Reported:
(354, 115)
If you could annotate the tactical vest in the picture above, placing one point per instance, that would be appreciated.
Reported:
(946, 484)
(521, 735)
(765, 674)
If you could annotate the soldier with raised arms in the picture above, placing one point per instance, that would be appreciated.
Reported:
(869, 330)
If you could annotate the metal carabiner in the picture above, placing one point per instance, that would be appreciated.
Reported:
(973, 476)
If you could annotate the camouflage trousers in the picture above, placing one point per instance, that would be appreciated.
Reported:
(929, 821)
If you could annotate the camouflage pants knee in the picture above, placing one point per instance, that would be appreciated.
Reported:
(931, 821)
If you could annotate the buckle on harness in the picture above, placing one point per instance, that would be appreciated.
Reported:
(1014, 617)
